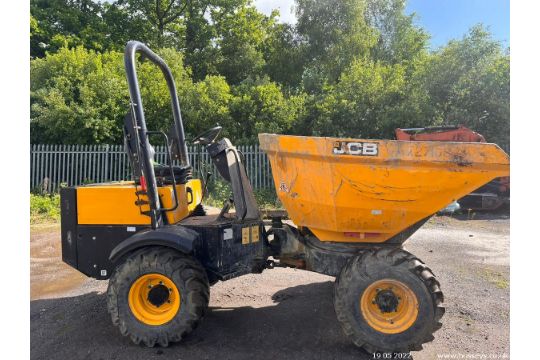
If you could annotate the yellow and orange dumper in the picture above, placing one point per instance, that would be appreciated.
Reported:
(353, 203)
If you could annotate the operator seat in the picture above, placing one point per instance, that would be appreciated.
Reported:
(164, 176)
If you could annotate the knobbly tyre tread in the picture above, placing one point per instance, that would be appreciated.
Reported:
(356, 270)
(188, 275)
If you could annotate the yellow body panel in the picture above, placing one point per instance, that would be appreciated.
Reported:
(114, 203)
(186, 203)
(351, 190)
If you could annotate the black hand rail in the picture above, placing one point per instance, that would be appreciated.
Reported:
(132, 48)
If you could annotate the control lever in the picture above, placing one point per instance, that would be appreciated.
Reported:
(226, 207)
(205, 189)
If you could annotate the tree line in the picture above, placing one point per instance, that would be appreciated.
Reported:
(356, 68)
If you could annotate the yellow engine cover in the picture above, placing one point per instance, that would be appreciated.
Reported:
(114, 203)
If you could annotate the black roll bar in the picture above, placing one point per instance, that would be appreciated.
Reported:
(139, 124)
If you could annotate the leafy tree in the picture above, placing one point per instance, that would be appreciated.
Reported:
(468, 82)
(208, 105)
(76, 97)
(362, 104)
(335, 33)
(186, 25)
(79, 96)
(155, 93)
(199, 52)
(260, 106)
(58, 23)
(165, 19)
(241, 36)
(283, 55)
(123, 25)
(202, 56)
(356, 68)
(398, 39)
(203, 104)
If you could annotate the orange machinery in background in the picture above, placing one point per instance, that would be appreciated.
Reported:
(490, 196)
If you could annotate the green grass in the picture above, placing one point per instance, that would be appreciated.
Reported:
(218, 193)
(267, 199)
(496, 278)
(44, 208)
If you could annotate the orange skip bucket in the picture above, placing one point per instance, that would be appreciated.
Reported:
(354, 190)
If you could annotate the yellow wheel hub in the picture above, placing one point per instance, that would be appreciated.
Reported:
(389, 306)
(154, 299)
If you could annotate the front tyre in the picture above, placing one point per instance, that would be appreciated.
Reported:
(157, 295)
(387, 300)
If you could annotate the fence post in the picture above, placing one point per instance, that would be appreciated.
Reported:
(53, 168)
(107, 154)
(32, 165)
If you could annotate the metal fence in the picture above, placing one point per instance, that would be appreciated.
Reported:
(52, 166)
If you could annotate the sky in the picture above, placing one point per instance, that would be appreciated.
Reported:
(443, 19)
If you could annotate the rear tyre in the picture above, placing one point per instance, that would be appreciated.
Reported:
(157, 296)
(387, 300)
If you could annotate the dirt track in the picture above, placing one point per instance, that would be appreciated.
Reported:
(283, 313)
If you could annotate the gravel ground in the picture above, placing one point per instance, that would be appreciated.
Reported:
(283, 313)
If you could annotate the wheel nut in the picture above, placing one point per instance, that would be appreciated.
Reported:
(170, 289)
(378, 290)
(161, 283)
(149, 286)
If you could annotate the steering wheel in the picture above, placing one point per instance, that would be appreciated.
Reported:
(207, 137)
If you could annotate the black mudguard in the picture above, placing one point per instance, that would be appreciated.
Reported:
(177, 237)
